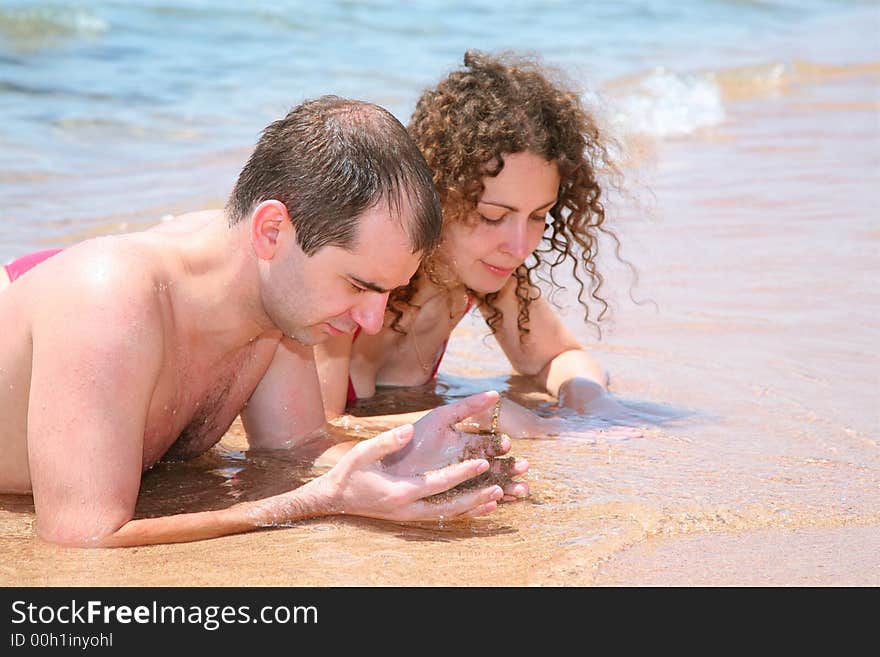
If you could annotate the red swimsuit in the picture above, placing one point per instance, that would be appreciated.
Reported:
(27, 262)
(352, 395)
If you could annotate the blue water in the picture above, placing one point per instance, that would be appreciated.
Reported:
(113, 113)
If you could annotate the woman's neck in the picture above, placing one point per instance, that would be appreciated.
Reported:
(427, 291)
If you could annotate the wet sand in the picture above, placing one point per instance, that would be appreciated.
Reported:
(757, 241)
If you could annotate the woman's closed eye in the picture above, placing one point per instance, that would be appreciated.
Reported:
(490, 219)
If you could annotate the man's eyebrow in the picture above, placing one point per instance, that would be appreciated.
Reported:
(367, 284)
(513, 209)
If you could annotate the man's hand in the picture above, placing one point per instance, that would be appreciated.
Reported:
(360, 484)
(438, 442)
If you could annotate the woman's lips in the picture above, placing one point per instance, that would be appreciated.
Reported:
(497, 271)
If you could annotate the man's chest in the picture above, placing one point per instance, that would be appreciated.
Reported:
(205, 400)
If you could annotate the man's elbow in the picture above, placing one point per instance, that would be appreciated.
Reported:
(78, 533)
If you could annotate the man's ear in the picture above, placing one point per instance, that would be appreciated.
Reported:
(270, 228)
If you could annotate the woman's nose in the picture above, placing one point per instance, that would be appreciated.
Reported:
(516, 241)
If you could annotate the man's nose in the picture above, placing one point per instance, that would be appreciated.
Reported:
(516, 239)
(369, 313)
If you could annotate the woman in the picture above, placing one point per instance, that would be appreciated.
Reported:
(516, 160)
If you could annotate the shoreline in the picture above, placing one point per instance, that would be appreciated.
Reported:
(763, 260)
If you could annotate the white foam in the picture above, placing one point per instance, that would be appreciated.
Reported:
(43, 22)
(667, 104)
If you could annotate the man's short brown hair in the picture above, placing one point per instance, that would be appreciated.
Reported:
(331, 159)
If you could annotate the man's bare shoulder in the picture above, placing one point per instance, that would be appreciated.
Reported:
(188, 222)
(106, 277)
(93, 309)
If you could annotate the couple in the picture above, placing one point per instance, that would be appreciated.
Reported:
(124, 350)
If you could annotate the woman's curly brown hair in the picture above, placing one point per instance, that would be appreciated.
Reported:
(505, 104)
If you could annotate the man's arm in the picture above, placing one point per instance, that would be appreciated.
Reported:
(97, 354)
(358, 485)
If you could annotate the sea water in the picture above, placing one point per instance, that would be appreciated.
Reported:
(115, 113)
(750, 215)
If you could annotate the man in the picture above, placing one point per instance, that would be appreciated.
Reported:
(122, 350)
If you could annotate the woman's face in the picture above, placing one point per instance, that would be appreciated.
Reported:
(506, 225)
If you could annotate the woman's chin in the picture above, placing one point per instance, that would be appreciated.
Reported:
(483, 287)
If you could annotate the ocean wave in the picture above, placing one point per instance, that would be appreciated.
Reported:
(37, 24)
(663, 103)
(758, 81)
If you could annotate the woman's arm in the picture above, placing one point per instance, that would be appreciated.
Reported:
(333, 359)
(362, 425)
(575, 379)
(516, 421)
(554, 357)
(513, 419)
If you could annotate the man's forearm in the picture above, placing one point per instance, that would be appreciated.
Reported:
(288, 507)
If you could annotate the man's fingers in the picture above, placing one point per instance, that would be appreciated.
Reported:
(502, 469)
(482, 510)
(465, 504)
(515, 490)
(499, 444)
(508, 466)
(451, 476)
(464, 408)
(388, 442)
(482, 446)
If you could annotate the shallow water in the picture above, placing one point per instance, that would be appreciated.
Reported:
(117, 113)
(756, 242)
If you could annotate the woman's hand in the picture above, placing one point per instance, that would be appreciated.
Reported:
(587, 397)
(520, 422)
(597, 407)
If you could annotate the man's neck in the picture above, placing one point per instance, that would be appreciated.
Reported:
(217, 294)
